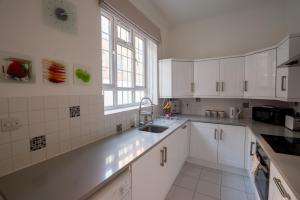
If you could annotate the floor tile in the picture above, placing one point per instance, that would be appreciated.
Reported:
(187, 182)
(232, 194)
(191, 170)
(233, 181)
(202, 197)
(209, 189)
(213, 176)
(178, 179)
(179, 193)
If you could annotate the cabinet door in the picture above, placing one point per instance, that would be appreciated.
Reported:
(231, 149)
(250, 148)
(182, 79)
(204, 142)
(206, 78)
(281, 82)
(283, 52)
(260, 71)
(165, 79)
(148, 176)
(232, 77)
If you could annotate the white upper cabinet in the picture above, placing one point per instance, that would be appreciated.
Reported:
(206, 78)
(232, 76)
(175, 79)
(287, 84)
(260, 71)
(288, 49)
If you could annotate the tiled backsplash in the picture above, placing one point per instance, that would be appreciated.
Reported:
(190, 106)
(67, 122)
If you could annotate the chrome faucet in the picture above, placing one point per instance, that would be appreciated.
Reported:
(145, 114)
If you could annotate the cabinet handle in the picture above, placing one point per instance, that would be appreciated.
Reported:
(162, 163)
(165, 154)
(246, 86)
(223, 86)
(183, 127)
(283, 83)
(192, 87)
(221, 134)
(217, 86)
(216, 131)
(251, 149)
(281, 189)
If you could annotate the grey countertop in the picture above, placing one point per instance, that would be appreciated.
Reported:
(79, 173)
(287, 165)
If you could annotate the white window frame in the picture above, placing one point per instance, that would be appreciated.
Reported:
(115, 22)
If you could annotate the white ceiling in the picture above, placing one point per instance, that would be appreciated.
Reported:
(183, 11)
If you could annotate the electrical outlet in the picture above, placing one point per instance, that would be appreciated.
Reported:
(119, 128)
(10, 124)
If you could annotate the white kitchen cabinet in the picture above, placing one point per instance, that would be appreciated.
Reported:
(260, 72)
(278, 189)
(206, 78)
(159, 167)
(204, 142)
(250, 149)
(231, 149)
(222, 144)
(287, 84)
(232, 76)
(117, 189)
(288, 49)
(175, 78)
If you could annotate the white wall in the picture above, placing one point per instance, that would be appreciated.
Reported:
(293, 16)
(23, 32)
(231, 34)
(150, 11)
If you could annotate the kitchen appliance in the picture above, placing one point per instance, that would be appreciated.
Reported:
(292, 123)
(175, 108)
(221, 114)
(271, 114)
(234, 112)
(207, 113)
(262, 173)
(283, 145)
(214, 114)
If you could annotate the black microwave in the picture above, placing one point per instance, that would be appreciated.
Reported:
(271, 114)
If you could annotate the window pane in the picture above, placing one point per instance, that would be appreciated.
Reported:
(108, 98)
(139, 62)
(123, 34)
(139, 95)
(124, 71)
(124, 97)
(106, 50)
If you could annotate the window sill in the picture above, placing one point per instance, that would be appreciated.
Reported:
(120, 110)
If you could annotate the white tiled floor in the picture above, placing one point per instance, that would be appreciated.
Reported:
(200, 183)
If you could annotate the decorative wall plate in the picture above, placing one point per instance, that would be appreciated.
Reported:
(16, 68)
(55, 72)
(82, 75)
(60, 14)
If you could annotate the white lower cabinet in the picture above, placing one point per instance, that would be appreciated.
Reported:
(215, 143)
(278, 189)
(250, 149)
(154, 173)
(117, 189)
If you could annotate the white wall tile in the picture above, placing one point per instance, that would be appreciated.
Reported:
(63, 102)
(5, 166)
(76, 142)
(51, 127)
(93, 99)
(3, 105)
(4, 137)
(20, 147)
(84, 100)
(36, 116)
(74, 101)
(36, 129)
(63, 113)
(64, 124)
(20, 134)
(35, 103)
(51, 102)
(21, 161)
(5, 151)
(65, 146)
(53, 147)
(18, 104)
(51, 114)
(64, 135)
(38, 156)
(21, 116)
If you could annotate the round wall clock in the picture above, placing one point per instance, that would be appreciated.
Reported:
(60, 14)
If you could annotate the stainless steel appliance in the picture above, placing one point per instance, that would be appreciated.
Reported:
(262, 173)
(292, 123)
(271, 114)
(283, 145)
(234, 112)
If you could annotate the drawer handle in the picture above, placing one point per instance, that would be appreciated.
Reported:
(183, 127)
(281, 189)
(165, 154)
(216, 131)
(217, 86)
(221, 134)
(162, 158)
(251, 148)
(283, 83)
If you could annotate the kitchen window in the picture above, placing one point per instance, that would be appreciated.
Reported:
(125, 62)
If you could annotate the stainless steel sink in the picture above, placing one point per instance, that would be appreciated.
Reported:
(153, 128)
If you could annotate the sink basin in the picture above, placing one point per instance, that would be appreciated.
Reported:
(153, 128)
